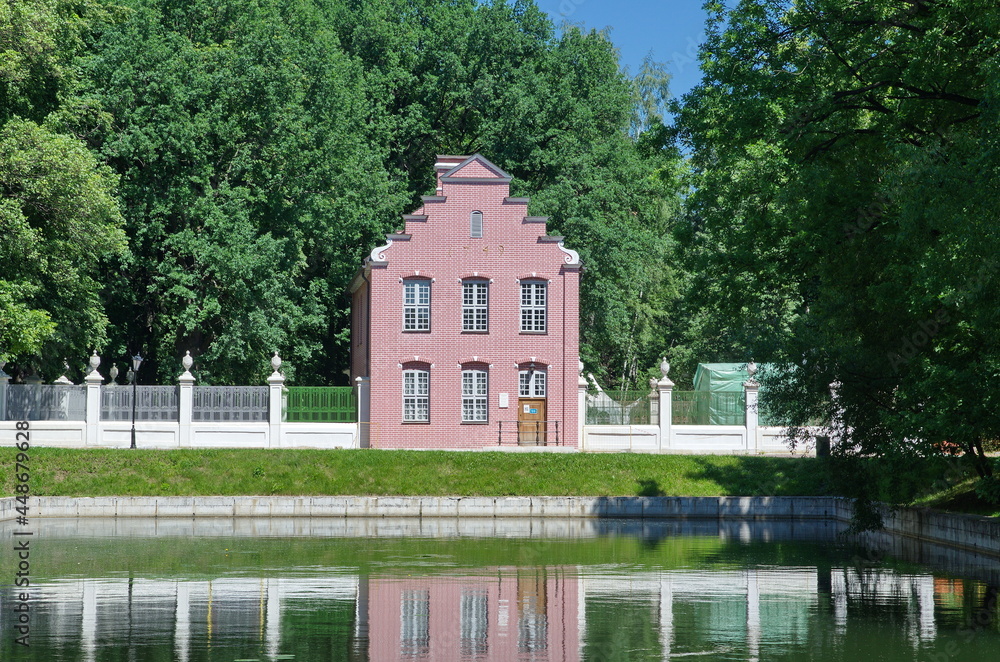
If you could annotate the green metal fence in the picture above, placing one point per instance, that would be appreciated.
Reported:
(618, 408)
(709, 408)
(321, 404)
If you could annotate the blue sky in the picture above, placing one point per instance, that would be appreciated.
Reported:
(669, 29)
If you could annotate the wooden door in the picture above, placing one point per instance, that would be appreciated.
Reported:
(531, 421)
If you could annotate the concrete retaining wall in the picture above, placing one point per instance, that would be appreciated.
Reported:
(393, 506)
(969, 532)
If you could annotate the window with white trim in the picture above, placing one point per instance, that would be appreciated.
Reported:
(475, 393)
(533, 296)
(532, 383)
(476, 225)
(416, 305)
(475, 306)
(416, 395)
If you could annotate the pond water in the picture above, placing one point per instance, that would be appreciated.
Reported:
(546, 590)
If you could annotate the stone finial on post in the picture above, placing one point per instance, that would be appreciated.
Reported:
(665, 391)
(750, 388)
(64, 380)
(276, 382)
(185, 402)
(93, 416)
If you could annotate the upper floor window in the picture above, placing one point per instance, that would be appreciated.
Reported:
(533, 298)
(474, 396)
(416, 305)
(475, 306)
(416, 395)
(476, 224)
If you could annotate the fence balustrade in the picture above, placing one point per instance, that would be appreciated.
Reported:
(619, 408)
(326, 404)
(709, 408)
(46, 402)
(230, 403)
(152, 403)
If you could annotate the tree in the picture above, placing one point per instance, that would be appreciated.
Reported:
(58, 215)
(249, 185)
(847, 159)
(560, 116)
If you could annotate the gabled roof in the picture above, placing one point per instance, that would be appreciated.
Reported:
(496, 173)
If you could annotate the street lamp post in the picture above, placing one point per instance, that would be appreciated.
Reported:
(136, 362)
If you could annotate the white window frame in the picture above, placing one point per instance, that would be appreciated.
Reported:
(534, 306)
(476, 224)
(416, 305)
(533, 387)
(475, 395)
(475, 306)
(416, 396)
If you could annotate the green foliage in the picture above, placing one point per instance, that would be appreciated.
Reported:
(58, 213)
(250, 192)
(58, 218)
(846, 163)
(263, 148)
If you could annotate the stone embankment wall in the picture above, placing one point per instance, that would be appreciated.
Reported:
(968, 532)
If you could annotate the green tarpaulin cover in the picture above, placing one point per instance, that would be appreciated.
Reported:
(725, 378)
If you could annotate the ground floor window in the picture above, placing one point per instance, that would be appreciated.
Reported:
(474, 396)
(416, 395)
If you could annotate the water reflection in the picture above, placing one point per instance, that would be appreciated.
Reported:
(604, 590)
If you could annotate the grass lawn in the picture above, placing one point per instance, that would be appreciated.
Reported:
(204, 472)
(959, 498)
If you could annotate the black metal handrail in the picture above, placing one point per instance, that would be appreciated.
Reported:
(529, 433)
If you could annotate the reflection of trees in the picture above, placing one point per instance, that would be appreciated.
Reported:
(622, 629)
(985, 613)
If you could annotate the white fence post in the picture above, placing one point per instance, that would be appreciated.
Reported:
(276, 382)
(581, 403)
(4, 378)
(185, 402)
(750, 388)
(93, 416)
(363, 388)
(665, 389)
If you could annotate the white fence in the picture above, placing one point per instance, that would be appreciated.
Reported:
(95, 415)
(189, 416)
(662, 435)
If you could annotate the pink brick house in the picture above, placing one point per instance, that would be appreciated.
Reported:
(466, 324)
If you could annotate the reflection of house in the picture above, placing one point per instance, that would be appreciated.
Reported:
(516, 614)
(552, 614)
(467, 321)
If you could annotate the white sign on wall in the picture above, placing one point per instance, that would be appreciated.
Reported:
(504, 401)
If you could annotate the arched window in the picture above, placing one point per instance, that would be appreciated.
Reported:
(476, 224)
(416, 395)
(475, 305)
(474, 395)
(416, 305)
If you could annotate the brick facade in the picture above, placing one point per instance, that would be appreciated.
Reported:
(436, 254)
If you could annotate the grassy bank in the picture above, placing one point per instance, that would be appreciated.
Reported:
(107, 472)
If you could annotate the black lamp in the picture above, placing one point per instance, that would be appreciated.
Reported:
(136, 362)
